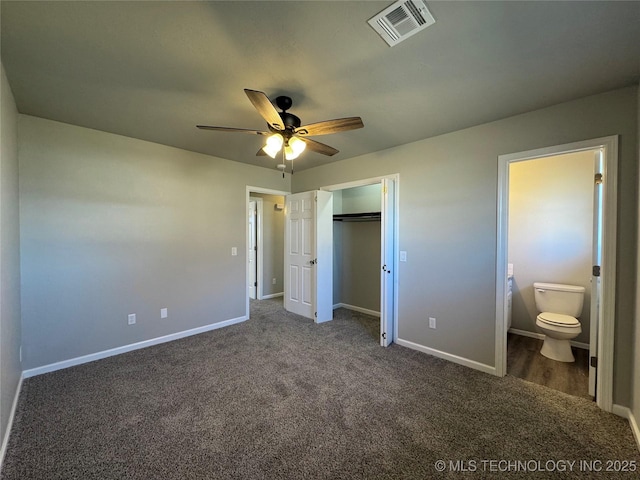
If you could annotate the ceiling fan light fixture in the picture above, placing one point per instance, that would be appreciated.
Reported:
(297, 145)
(274, 144)
(289, 153)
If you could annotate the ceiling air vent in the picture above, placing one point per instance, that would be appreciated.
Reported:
(401, 20)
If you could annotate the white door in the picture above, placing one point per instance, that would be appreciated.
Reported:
(251, 256)
(308, 261)
(387, 260)
(596, 282)
(323, 264)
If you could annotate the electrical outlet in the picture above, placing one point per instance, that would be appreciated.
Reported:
(432, 322)
(132, 318)
(164, 313)
(273, 282)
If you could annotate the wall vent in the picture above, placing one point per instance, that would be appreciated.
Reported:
(401, 20)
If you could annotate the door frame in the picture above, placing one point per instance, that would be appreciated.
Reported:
(259, 250)
(606, 326)
(395, 177)
(248, 191)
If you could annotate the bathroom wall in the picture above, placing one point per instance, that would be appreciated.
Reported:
(550, 231)
(272, 243)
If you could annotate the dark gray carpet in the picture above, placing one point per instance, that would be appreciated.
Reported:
(280, 397)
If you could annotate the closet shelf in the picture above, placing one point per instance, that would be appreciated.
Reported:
(357, 217)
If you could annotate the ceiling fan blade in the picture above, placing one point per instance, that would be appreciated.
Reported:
(231, 129)
(319, 147)
(265, 108)
(330, 126)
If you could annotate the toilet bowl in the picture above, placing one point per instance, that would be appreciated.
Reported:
(559, 305)
(558, 329)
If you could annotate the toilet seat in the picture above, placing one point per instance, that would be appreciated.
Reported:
(558, 319)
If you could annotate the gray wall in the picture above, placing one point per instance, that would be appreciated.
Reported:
(550, 231)
(447, 215)
(112, 225)
(10, 327)
(360, 264)
(272, 243)
(362, 199)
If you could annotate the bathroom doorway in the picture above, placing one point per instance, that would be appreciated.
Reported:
(556, 224)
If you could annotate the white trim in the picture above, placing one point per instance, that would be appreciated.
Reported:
(248, 190)
(634, 428)
(366, 311)
(272, 295)
(540, 336)
(14, 405)
(72, 362)
(448, 356)
(605, 354)
(626, 412)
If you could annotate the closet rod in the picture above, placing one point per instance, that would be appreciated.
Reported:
(357, 217)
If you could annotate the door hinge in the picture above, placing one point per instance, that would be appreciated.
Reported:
(255, 248)
(384, 335)
(315, 314)
(255, 284)
(596, 270)
(593, 361)
(598, 178)
(385, 190)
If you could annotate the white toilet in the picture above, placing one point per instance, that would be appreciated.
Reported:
(560, 305)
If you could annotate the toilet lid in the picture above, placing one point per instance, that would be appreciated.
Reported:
(558, 319)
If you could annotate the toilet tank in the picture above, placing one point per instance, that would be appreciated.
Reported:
(558, 298)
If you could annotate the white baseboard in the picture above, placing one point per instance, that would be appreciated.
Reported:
(272, 295)
(52, 367)
(625, 412)
(5, 440)
(540, 336)
(448, 356)
(366, 311)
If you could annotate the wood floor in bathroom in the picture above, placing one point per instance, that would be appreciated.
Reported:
(525, 361)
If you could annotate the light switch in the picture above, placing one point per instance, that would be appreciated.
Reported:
(164, 313)
(403, 256)
(234, 251)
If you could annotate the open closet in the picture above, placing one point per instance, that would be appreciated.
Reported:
(356, 248)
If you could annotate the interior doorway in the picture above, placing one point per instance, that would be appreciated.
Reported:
(252, 253)
(595, 246)
(552, 217)
(264, 244)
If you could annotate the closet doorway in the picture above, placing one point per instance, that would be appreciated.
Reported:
(365, 250)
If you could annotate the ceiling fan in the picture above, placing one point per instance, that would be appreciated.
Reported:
(285, 129)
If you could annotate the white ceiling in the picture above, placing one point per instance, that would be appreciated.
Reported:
(153, 70)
